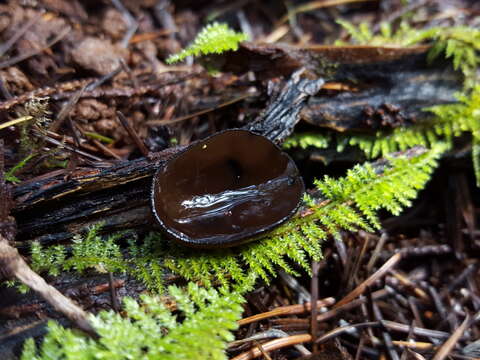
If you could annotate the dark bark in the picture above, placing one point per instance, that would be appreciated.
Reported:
(54, 209)
(378, 88)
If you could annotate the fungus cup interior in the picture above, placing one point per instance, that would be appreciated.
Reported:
(225, 189)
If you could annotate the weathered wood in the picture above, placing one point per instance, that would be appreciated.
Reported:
(384, 96)
(54, 209)
(377, 87)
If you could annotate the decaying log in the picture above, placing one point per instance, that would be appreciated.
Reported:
(270, 60)
(377, 87)
(54, 209)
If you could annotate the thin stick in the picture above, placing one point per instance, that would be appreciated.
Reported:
(9, 43)
(340, 330)
(12, 265)
(268, 334)
(314, 295)
(65, 110)
(387, 338)
(350, 305)
(445, 349)
(314, 5)
(133, 134)
(21, 57)
(15, 121)
(132, 23)
(286, 310)
(113, 292)
(376, 252)
(377, 275)
(274, 345)
(198, 113)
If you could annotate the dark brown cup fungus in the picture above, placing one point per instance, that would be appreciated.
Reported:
(225, 189)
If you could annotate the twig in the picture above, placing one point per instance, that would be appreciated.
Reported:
(3, 89)
(69, 148)
(445, 349)
(130, 74)
(409, 284)
(98, 82)
(198, 113)
(395, 326)
(8, 44)
(106, 150)
(12, 265)
(133, 134)
(314, 295)
(351, 305)
(459, 280)
(347, 328)
(286, 310)
(303, 296)
(314, 5)
(67, 108)
(376, 252)
(73, 161)
(387, 338)
(132, 23)
(377, 275)
(24, 56)
(442, 311)
(262, 350)
(268, 334)
(15, 121)
(113, 292)
(274, 345)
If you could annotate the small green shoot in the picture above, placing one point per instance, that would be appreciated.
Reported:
(215, 38)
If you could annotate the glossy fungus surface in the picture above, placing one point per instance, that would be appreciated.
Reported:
(225, 189)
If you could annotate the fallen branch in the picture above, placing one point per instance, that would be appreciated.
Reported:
(12, 266)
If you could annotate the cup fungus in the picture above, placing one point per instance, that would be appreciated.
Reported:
(225, 189)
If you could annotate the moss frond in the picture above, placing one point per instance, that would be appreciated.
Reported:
(215, 38)
(449, 121)
(10, 174)
(304, 140)
(149, 329)
(404, 35)
(461, 44)
(89, 252)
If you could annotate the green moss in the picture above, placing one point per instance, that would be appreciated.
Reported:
(199, 328)
(449, 121)
(215, 38)
(304, 140)
(461, 44)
